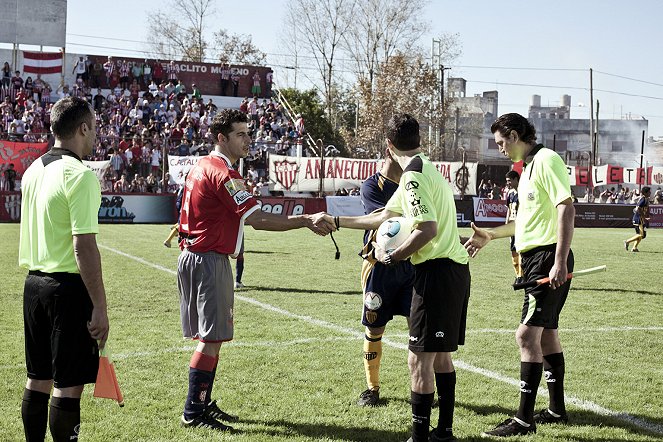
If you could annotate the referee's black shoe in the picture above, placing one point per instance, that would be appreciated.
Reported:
(435, 438)
(546, 417)
(510, 427)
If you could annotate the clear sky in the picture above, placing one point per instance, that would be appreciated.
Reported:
(560, 39)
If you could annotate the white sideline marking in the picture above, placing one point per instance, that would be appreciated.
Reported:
(477, 331)
(580, 403)
(270, 344)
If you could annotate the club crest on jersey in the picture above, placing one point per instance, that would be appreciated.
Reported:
(286, 173)
(372, 301)
(371, 316)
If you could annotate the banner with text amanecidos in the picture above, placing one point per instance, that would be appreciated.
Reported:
(20, 154)
(302, 174)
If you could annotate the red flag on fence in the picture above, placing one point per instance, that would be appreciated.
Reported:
(42, 62)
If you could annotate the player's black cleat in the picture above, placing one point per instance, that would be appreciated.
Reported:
(204, 421)
(509, 428)
(546, 417)
(212, 410)
(369, 398)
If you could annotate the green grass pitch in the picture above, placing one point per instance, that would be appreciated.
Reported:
(294, 370)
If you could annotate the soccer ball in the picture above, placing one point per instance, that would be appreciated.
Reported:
(393, 232)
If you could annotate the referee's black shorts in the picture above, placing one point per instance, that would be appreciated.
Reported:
(439, 306)
(542, 305)
(58, 346)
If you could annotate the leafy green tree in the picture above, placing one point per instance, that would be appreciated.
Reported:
(309, 104)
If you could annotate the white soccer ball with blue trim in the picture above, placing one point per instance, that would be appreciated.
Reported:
(393, 232)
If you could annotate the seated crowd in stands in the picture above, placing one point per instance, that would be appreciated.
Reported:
(142, 111)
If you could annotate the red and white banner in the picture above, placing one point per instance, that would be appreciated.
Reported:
(489, 212)
(609, 175)
(21, 155)
(42, 62)
(302, 174)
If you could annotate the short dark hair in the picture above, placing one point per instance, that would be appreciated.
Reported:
(403, 132)
(645, 189)
(512, 175)
(223, 121)
(68, 114)
(508, 122)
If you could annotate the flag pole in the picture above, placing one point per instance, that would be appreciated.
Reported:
(62, 67)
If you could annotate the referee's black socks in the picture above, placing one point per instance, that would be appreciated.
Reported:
(34, 411)
(554, 373)
(446, 393)
(530, 377)
(421, 406)
(65, 418)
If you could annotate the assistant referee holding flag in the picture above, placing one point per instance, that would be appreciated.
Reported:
(64, 301)
(543, 229)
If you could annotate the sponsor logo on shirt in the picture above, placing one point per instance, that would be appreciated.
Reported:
(418, 210)
(411, 185)
(241, 197)
(439, 334)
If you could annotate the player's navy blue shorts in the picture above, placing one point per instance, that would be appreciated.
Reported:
(439, 306)
(387, 292)
(58, 345)
(542, 305)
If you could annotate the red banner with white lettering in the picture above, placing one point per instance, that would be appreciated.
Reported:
(611, 175)
(488, 213)
(20, 154)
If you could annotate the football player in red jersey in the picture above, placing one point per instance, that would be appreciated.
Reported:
(215, 207)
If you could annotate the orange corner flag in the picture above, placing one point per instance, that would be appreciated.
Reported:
(106, 385)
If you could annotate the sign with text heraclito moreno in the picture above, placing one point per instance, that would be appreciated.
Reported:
(206, 76)
(302, 174)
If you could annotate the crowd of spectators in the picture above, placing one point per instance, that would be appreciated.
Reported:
(611, 195)
(619, 195)
(142, 111)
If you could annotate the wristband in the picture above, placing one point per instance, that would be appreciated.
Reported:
(388, 260)
(337, 223)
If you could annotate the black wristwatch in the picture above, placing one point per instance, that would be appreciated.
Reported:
(388, 259)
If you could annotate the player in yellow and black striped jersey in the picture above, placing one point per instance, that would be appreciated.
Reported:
(387, 290)
(640, 220)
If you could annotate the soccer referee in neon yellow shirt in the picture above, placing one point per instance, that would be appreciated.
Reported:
(64, 301)
(543, 230)
(441, 276)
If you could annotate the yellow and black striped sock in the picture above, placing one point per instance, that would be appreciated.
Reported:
(372, 356)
